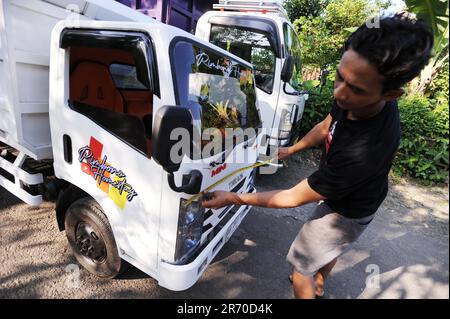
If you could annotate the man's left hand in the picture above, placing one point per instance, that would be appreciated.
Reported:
(217, 199)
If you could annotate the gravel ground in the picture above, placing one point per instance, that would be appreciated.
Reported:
(403, 254)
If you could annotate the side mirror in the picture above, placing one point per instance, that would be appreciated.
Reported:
(288, 69)
(323, 76)
(167, 119)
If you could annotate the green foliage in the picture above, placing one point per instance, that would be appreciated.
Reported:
(319, 103)
(319, 45)
(434, 12)
(304, 8)
(341, 14)
(423, 151)
(322, 37)
(439, 88)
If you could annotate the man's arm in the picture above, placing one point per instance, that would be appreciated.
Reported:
(298, 195)
(314, 137)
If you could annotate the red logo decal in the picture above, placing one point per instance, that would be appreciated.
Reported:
(218, 170)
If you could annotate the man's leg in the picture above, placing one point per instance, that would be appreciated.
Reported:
(304, 287)
(326, 234)
(321, 275)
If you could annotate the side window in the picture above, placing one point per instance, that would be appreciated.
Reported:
(222, 89)
(110, 83)
(292, 45)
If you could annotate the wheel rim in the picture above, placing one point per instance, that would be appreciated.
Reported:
(90, 244)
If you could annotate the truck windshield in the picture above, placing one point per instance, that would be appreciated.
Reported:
(252, 46)
(223, 88)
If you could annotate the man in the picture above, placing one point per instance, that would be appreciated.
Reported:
(361, 135)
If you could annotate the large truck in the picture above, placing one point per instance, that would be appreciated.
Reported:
(183, 14)
(91, 93)
(260, 32)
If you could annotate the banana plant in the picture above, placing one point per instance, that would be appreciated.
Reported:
(435, 13)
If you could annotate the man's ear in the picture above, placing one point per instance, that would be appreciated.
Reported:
(393, 94)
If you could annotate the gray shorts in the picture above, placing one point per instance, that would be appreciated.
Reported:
(325, 236)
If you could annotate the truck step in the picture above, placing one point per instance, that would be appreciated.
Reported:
(15, 179)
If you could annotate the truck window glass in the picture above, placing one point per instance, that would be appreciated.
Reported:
(125, 77)
(251, 46)
(104, 86)
(223, 88)
(292, 45)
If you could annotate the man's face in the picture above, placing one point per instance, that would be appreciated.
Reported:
(358, 85)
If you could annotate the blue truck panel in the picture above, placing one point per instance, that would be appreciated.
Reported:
(183, 14)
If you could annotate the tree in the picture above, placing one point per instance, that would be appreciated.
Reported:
(304, 8)
(322, 37)
(435, 13)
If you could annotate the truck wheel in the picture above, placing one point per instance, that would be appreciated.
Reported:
(91, 238)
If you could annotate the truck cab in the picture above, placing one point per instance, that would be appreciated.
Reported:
(139, 116)
(260, 33)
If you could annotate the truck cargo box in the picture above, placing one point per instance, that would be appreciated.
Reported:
(183, 14)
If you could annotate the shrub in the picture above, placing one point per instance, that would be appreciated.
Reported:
(423, 151)
(318, 104)
(438, 89)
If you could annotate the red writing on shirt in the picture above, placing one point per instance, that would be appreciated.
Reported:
(330, 137)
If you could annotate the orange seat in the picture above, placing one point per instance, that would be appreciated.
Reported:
(91, 83)
(138, 103)
(149, 147)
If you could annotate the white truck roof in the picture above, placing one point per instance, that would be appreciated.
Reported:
(25, 30)
(254, 6)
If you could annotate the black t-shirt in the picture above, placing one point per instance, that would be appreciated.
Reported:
(357, 157)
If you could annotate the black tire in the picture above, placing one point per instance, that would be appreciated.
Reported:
(91, 238)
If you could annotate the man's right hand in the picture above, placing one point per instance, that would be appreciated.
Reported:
(284, 152)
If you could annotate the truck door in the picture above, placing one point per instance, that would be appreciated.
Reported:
(103, 87)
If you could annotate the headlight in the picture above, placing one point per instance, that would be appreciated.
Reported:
(190, 225)
(285, 124)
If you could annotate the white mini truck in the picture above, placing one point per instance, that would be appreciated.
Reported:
(88, 111)
(260, 33)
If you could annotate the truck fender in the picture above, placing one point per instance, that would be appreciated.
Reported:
(65, 199)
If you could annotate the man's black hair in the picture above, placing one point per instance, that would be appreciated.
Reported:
(399, 48)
